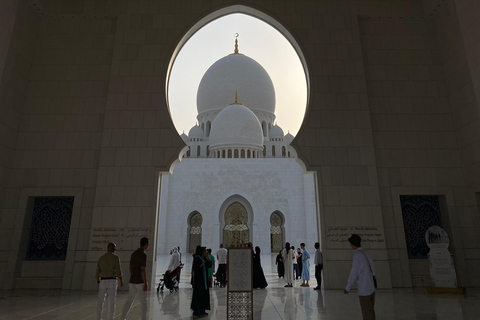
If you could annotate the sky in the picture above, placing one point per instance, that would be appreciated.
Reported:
(256, 39)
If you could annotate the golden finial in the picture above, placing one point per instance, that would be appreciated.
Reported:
(236, 99)
(236, 43)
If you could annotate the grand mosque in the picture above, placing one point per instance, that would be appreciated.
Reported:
(389, 146)
(240, 180)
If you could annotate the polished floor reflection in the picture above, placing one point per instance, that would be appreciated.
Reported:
(274, 302)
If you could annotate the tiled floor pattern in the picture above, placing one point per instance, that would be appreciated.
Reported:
(274, 302)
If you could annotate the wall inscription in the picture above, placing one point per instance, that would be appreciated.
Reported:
(339, 234)
(120, 236)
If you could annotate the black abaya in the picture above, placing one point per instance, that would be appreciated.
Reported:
(201, 296)
(259, 280)
(280, 266)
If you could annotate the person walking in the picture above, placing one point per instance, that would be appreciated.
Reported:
(138, 285)
(295, 266)
(174, 260)
(107, 273)
(318, 261)
(173, 269)
(222, 265)
(280, 265)
(306, 266)
(201, 296)
(299, 263)
(259, 280)
(288, 257)
(363, 273)
(180, 272)
(211, 269)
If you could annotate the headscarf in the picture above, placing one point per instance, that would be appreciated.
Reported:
(174, 250)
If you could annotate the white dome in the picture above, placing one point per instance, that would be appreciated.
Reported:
(288, 138)
(236, 126)
(195, 133)
(276, 132)
(236, 72)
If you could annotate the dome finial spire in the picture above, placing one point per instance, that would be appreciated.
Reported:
(236, 43)
(236, 99)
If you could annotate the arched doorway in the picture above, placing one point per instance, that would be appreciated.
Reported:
(236, 231)
(194, 231)
(276, 232)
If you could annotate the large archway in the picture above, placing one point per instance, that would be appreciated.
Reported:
(235, 216)
(268, 51)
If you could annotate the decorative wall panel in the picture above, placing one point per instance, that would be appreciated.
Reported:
(419, 213)
(195, 232)
(240, 282)
(50, 228)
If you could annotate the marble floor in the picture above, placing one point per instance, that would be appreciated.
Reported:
(274, 302)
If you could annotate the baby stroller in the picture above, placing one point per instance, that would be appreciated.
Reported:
(169, 280)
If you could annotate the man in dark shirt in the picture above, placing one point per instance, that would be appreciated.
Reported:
(138, 280)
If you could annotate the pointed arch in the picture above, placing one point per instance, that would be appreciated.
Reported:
(253, 12)
(277, 231)
(236, 198)
(194, 233)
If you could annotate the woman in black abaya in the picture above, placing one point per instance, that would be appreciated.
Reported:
(258, 276)
(280, 266)
(201, 296)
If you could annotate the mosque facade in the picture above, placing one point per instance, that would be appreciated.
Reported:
(240, 180)
(391, 133)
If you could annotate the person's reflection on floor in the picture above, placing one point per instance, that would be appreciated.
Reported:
(307, 303)
(259, 297)
(290, 309)
(170, 303)
(320, 300)
(278, 294)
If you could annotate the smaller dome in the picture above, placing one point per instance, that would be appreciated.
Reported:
(195, 133)
(276, 132)
(184, 137)
(288, 138)
(236, 125)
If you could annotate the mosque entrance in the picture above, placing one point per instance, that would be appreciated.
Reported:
(195, 231)
(236, 232)
(276, 232)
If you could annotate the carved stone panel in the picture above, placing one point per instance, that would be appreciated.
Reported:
(236, 232)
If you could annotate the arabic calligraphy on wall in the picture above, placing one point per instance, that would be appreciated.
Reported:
(341, 234)
(120, 236)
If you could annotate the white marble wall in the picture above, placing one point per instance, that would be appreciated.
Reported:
(268, 185)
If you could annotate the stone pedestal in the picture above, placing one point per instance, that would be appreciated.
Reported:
(240, 284)
(442, 268)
